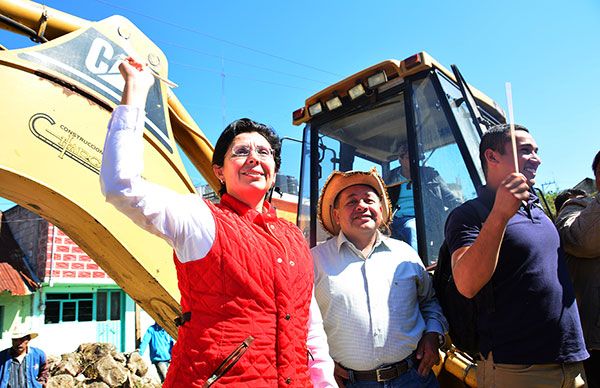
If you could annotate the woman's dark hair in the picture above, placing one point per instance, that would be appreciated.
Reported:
(495, 138)
(237, 127)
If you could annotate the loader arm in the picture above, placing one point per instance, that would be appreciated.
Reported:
(55, 104)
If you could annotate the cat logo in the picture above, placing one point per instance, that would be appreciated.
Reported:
(93, 60)
(100, 61)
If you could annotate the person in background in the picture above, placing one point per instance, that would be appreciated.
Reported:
(161, 344)
(529, 330)
(565, 195)
(578, 224)
(245, 276)
(21, 365)
(383, 322)
(439, 200)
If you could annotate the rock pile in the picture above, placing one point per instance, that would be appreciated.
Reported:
(99, 365)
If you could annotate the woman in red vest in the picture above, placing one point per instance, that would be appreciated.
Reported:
(245, 276)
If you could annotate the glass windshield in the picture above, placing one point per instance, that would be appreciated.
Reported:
(445, 181)
(358, 141)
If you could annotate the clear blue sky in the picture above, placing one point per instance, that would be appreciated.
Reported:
(275, 54)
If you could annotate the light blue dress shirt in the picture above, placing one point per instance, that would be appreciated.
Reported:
(375, 308)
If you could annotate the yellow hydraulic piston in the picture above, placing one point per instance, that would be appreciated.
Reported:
(55, 104)
(45, 21)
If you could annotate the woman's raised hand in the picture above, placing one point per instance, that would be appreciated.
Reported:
(138, 80)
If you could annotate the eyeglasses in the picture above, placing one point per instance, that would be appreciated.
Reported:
(244, 150)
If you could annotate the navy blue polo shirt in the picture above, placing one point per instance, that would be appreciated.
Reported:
(534, 319)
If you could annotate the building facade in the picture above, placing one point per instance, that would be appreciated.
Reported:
(50, 285)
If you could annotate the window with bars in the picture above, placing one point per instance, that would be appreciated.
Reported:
(108, 305)
(83, 307)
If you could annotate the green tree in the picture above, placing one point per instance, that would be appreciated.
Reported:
(548, 204)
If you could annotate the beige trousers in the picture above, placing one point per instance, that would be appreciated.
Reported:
(494, 375)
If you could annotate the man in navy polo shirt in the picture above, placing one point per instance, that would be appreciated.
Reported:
(530, 333)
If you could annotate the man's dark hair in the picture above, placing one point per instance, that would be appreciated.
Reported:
(596, 162)
(565, 195)
(495, 138)
(240, 126)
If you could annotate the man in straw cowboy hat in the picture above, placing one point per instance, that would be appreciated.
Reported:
(23, 366)
(383, 323)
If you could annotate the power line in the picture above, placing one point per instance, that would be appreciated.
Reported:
(222, 93)
(239, 62)
(192, 30)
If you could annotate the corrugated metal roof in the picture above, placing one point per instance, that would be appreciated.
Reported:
(11, 280)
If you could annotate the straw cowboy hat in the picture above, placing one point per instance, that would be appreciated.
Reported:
(20, 332)
(339, 181)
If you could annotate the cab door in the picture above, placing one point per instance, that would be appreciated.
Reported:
(444, 128)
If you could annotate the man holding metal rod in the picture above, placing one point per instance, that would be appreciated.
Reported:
(529, 329)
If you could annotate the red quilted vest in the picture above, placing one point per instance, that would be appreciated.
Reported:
(256, 280)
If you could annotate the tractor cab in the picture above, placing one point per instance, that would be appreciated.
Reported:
(417, 123)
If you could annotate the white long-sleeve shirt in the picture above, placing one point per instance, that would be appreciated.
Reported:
(183, 220)
(376, 307)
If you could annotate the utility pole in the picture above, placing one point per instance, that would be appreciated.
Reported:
(549, 183)
(223, 120)
(138, 329)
